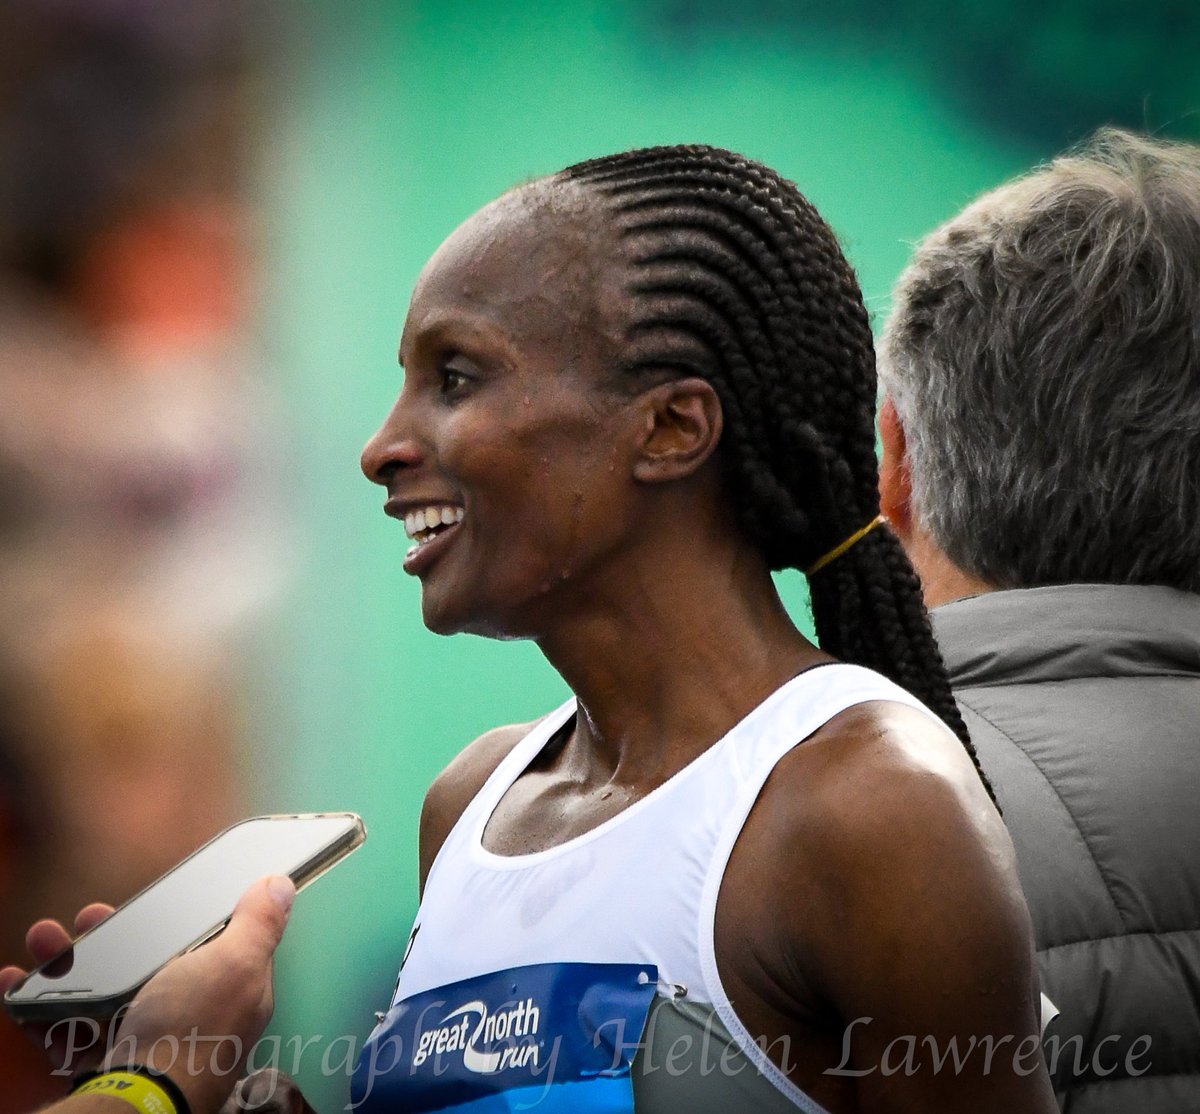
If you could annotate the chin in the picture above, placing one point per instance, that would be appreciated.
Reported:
(442, 618)
(447, 620)
(439, 622)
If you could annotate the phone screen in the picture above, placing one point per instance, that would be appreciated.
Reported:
(189, 904)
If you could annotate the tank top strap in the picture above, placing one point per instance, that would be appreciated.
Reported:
(801, 707)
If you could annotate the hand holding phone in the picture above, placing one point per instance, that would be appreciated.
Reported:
(222, 992)
(106, 966)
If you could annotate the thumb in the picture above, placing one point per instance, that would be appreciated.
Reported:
(261, 916)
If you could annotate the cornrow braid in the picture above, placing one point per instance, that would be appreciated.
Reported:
(734, 276)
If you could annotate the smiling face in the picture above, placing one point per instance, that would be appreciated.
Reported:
(506, 454)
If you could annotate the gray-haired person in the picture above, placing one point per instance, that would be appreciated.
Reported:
(1041, 435)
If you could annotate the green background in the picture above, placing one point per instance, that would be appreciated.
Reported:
(394, 122)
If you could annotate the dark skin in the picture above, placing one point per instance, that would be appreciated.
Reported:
(873, 878)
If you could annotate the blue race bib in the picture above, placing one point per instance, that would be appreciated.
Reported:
(555, 1038)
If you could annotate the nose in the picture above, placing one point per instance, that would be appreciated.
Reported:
(393, 447)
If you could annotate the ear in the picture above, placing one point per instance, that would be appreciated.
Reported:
(895, 476)
(681, 426)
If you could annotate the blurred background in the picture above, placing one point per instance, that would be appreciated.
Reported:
(212, 214)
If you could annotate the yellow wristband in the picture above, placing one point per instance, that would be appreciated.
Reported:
(141, 1091)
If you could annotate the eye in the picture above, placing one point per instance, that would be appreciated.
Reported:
(454, 379)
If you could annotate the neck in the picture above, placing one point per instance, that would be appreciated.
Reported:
(670, 661)
(942, 581)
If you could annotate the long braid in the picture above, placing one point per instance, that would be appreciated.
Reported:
(734, 276)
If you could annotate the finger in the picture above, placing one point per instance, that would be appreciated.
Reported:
(46, 939)
(91, 915)
(268, 1091)
(261, 916)
(9, 977)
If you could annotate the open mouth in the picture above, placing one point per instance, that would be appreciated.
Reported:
(425, 525)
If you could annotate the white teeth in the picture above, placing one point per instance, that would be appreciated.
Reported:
(417, 523)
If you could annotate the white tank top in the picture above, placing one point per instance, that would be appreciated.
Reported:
(641, 888)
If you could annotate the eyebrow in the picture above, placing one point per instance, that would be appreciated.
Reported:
(461, 330)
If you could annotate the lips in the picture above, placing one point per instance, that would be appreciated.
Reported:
(430, 525)
(427, 550)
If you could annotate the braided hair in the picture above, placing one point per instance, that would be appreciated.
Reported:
(733, 276)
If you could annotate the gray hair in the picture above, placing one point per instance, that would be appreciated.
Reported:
(1043, 354)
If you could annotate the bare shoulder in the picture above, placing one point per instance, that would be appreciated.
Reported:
(888, 801)
(454, 788)
(883, 886)
(884, 769)
(894, 898)
(882, 804)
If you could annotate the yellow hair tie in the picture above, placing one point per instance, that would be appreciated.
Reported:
(838, 550)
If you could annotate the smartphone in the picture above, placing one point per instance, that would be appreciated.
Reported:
(106, 966)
